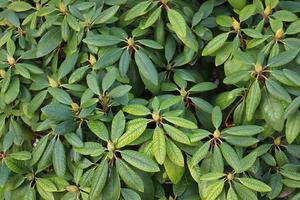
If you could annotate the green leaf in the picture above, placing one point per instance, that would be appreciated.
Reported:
(58, 112)
(244, 192)
(292, 107)
(224, 20)
(21, 155)
(272, 111)
(130, 178)
(217, 163)
(202, 104)
(65, 30)
(290, 174)
(19, 6)
(13, 90)
(294, 150)
(277, 91)
(108, 80)
(292, 127)
(124, 62)
(46, 184)
(14, 166)
(244, 57)
(108, 58)
(248, 161)
(159, 145)
(215, 44)
(285, 15)
(204, 11)
(128, 194)
(256, 41)
(236, 77)
(99, 129)
(106, 15)
(178, 22)
(90, 148)
(291, 183)
(276, 184)
(67, 65)
(119, 91)
(293, 28)
(167, 103)
(200, 154)
(215, 190)
(39, 149)
(150, 43)
(137, 10)
(37, 101)
(60, 95)
(59, 158)
(112, 187)
(146, 67)
(134, 130)
(178, 121)
(292, 76)
(139, 160)
(283, 58)
(101, 40)
(231, 156)
(237, 4)
(252, 33)
(99, 179)
(211, 176)
(244, 130)
(216, 117)
(255, 185)
(73, 23)
(269, 159)
(73, 139)
(240, 141)
(22, 71)
(252, 100)
(202, 87)
(117, 125)
(48, 42)
(78, 74)
(46, 159)
(174, 153)
(231, 194)
(176, 134)
(152, 18)
(93, 84)
(247, 12)
(173, 171)
(136, 109)
(6, 81)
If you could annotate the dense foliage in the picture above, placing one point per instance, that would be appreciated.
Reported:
(149, 99)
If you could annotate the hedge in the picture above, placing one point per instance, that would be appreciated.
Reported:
(149, 99)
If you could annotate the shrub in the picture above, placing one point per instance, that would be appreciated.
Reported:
(149, 99)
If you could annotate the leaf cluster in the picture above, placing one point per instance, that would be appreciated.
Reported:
(149, 99)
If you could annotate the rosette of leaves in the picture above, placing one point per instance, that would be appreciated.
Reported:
(111, 93)
(189, 94)
(217, 145)
(70, 68)
(267, 83)
(157, 12)
(231, 186)
(268, 34)
(103, 168)
(169, 129)
(70, 114)
(14, 74)
(119, 47)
